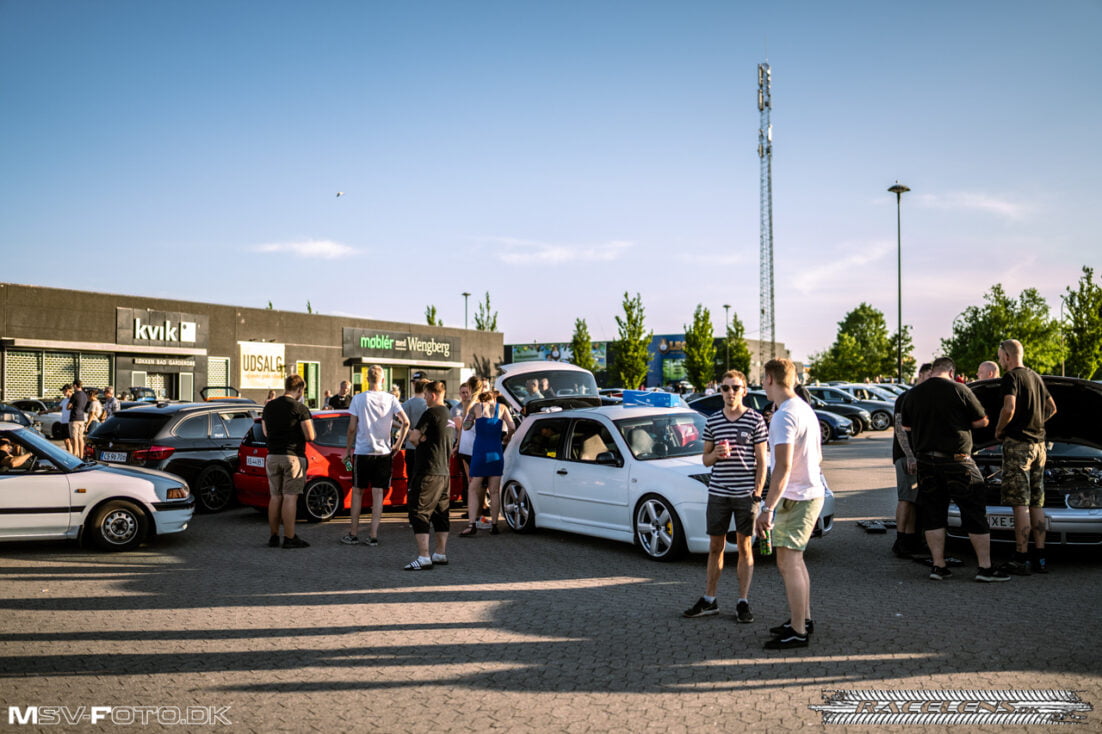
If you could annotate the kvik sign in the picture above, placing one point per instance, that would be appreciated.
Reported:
(164, 331)
(145, 327)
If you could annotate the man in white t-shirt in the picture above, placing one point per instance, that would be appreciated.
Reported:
(795, 497)
(371, 449)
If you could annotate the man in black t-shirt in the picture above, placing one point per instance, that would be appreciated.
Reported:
(907, 540)
(342, 399)
(1027, 406)
(288, 427)
(940, 415)
(78, 419)
(428, 490)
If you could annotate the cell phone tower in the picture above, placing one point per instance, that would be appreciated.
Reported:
(768, 334)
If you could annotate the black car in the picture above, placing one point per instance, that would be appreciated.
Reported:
(832, 427)
(195, 441)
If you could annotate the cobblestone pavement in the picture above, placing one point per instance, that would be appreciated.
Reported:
(549, 632)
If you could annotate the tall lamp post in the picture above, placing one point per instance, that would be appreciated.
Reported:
(726, 331)
(465, 297)
(899, 189)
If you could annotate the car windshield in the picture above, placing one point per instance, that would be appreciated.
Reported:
(661, 436)
(551, 383)
(132, 425)
(44, 449)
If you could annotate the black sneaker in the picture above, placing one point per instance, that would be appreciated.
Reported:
(295, 542)
(743, 614)
(1017, 568)
(780, 628)
(987, 575)
(273, 541)
(939, 573)
(372, 542)
(350, 539)
(701, 609)
(899, 548)
(788, 639)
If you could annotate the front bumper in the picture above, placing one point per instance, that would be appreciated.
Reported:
(1065, 525)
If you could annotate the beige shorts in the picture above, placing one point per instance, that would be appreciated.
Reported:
(76, 430)
(286, 474)
(794, 522)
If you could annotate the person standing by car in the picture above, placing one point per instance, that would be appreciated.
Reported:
(111, 404)
(1027, 406)
(735, 449)
(371, 449)
(940, 415)
(78, 418)
(414, 408)
(907, 540)
(796, 496)
(987, 371)
(492, 422)
(63, 423)
(428, 494)
(343, 398)
(94, 410)
(464, 425)
(288, 427)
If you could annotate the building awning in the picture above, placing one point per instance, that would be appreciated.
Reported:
(71, 346)
(425, 364)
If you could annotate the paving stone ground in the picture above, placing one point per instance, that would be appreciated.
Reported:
(548, 632)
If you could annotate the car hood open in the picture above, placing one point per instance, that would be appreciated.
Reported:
(1078, 416)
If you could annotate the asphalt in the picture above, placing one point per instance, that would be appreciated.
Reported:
(547, 632)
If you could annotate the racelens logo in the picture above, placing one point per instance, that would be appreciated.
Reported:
(972, 708)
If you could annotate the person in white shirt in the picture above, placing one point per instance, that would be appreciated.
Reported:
(371, 448)
(795, 498)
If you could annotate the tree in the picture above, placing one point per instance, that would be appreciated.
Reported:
(1083, 329)
(270, 306)
(700, 348)
(309, 307)
(484, 318)
(431, 318)
(908, 353)
(978, 331)
(862, 349)
(733, 344)
(633, 345)
(581, 347)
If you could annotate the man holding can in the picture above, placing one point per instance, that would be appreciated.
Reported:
(734, 447)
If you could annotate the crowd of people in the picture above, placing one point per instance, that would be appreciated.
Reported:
(82, 410)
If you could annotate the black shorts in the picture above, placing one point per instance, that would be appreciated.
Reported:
(372, 471)
(720, 509)
(940, 481)
(428, 503)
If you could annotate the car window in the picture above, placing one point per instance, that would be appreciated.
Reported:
(194, 427)
(255, 435)
(332, 431)
(132, 426)
(235, 424)
(561, 383)
(544, 439)
(589, 439)
(757, 401)
(708, 405)
(9, 413)
(664, 435)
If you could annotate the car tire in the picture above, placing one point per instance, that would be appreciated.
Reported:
(213, 489)
(117, 526)
(858, 425)
(825, 433)
(321, 500)
(516, 506)
(657, 529)
(881, 420)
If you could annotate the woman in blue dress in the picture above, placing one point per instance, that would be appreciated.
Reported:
(492, 421)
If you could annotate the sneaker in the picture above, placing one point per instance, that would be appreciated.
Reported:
(1018, 568)
(788, 639)
(295, 542)
(273, 541)
(939, 573)
(372, 542)
(439, 559)
(350, 539)
(483, 524)
(987, 575)
(899, 548)
(701, 609)
(780, 628)
(742, 613)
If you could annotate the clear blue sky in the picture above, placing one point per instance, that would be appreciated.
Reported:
(555, 154)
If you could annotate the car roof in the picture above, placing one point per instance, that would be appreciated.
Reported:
(170, 408)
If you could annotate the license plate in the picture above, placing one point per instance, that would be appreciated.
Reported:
(112, 456)
(1006, 522)
(254, 461)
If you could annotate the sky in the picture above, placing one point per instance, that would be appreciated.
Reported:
(554, 155)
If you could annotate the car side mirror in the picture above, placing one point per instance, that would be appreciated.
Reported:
(607, 458)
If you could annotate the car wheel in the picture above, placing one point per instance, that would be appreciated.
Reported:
(213, 489)
(881, 421)
(658, 529)
(858, 425)
(516, 505)
(117, 526)
(320, 500)
(824, 431)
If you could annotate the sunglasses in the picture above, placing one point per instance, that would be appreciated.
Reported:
(730, 388)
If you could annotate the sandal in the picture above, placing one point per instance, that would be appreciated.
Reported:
(470, 530)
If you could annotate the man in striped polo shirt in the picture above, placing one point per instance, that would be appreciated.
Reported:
(735, 448)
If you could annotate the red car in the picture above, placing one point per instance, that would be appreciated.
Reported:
(328, 483)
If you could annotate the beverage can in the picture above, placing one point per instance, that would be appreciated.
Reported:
(765, 544)
(348, 463)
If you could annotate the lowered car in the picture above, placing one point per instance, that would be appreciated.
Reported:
(1073, 470)
(57, 495)
(832, 427)
(882, 412)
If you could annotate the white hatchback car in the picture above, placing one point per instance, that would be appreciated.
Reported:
(56, 495)
(625, 473)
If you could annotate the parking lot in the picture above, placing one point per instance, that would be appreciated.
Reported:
(548, 632)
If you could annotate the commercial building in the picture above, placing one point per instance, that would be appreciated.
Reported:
(50, 336)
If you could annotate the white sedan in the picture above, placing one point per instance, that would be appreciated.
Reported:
(625, 473)
(52, 494)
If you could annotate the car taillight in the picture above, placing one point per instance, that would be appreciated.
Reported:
(153, 453)
(89, 452)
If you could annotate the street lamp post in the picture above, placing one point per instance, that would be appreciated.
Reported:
(465, 297)
(726, 330)
(899, 189)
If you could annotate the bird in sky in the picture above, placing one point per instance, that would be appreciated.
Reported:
(340, 194)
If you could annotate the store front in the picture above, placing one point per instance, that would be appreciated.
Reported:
(404, 358)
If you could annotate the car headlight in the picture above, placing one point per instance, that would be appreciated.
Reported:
(177, 493)
(1085, 499)
(702, 478)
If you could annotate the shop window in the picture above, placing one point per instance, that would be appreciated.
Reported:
(23, 376)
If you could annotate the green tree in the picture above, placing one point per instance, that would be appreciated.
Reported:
(309, 307)
(581, 347)
(633, 345)
(700, 348)
(909, 361)
(485, 319)
(978, 331)
(862, 349)
(1083, 328)
(270, 306)
(431, 318)
(733, 344)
